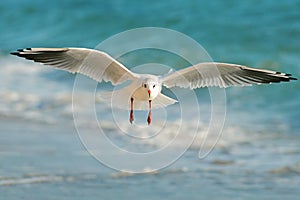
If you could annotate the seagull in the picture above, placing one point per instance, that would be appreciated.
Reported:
(146, 88)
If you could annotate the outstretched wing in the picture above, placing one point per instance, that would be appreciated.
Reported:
(92, 63)
(221, 75)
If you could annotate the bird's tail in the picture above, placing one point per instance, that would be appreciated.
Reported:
(121, 99)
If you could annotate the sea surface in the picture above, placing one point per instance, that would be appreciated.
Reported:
(42, 156)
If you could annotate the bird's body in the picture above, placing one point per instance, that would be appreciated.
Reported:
(144, 91)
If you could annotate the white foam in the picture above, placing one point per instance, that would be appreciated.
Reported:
(30, 180)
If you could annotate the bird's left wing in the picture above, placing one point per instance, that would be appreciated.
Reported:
(95, 64)
(221, 75)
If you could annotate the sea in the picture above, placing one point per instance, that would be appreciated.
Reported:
(244, 146)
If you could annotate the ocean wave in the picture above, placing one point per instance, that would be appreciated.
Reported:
(57, 109)
(287, 170)
(12, 181)
(35, 178)
(35, 107)
(149, 172)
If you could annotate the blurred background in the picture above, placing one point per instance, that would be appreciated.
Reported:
(258, 154)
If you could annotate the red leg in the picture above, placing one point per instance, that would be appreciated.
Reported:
(149, 119)
(131, 118)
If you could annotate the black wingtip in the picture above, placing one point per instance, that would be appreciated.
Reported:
(290, 77)
(15, 53)
(20, 51)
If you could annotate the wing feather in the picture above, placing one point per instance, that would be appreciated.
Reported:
(222, 75)
(92, 63)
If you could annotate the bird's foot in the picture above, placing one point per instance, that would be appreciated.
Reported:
(149, 119)
(131, 117)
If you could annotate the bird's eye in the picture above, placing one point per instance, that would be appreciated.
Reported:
(145, 85)
(153, 86)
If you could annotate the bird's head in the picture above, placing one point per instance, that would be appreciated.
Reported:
(152, 88)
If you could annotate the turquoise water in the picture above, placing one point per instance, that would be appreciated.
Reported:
(258, 155)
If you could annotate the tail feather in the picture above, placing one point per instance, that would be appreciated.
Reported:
(163, 101)
(121, 99)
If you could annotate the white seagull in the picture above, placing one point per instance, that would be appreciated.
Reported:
(146, 88)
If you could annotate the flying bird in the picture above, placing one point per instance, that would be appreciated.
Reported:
(144, 91)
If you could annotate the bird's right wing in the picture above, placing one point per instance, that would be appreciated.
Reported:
(221, 75)
(95, 64)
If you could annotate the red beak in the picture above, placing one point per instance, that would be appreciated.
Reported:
(149, 92)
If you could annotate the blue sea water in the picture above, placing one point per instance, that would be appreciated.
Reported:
(257, 156)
